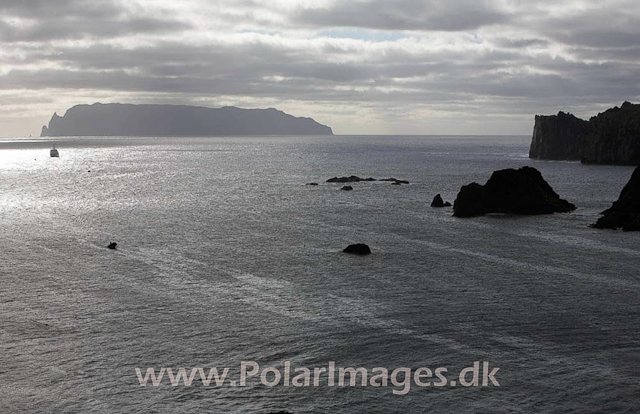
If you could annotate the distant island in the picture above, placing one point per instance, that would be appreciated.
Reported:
(177, 120)
(611, 137)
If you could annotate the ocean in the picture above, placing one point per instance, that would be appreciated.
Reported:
(225, 255)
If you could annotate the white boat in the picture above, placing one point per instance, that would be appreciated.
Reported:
(54, 152)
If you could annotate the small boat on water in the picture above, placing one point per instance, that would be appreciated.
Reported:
(54, 152)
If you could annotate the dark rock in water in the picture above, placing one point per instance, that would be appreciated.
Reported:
(625, 212)
(439, 202)
(112, 245)
(360, 248)
(177, 120)
(510, 191)
(611, 137)
(312, 184)
(350, 179)
(356, 179)
(347, 188)
(395, 183)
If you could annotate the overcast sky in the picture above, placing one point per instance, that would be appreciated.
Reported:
(361, 67)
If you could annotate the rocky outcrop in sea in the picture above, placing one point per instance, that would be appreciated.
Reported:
(521, 191)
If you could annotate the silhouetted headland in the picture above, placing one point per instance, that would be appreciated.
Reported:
(625, 212)
(611, 137)
(521, 191)
(177, 120)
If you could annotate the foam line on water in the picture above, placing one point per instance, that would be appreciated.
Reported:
(615, 282)
(580, 242)
(282, 297)
(492, 258)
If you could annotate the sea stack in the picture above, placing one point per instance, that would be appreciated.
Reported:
(625, 212)
(439, 202)
(510, 191)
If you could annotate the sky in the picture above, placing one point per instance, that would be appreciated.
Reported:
(361, 67)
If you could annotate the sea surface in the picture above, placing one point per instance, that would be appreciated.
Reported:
(225, 255)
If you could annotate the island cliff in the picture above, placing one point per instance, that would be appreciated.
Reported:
(611, 137)
(177, 120)
(557, 137)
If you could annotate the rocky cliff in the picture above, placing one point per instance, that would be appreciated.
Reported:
(177, 120)
(557, 137)
(611, 137)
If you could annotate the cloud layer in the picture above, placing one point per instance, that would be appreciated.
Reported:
(420, 67)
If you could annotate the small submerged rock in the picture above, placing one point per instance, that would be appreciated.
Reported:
(112, 245)
(312, 184)
(347, 188)
(359, 248)
(439, 202)
(394, 181)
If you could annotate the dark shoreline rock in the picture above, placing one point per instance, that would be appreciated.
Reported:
(625, 212)
(510, 191)
(359, 249)
(611, 137)
(347, 188)
(439, 202)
